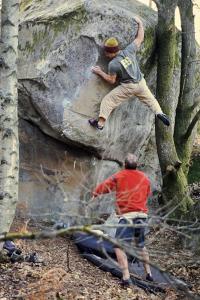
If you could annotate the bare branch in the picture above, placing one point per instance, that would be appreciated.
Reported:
(192, 125)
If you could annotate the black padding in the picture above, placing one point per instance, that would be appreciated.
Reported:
(115, 271)
(91, 244)
(101, 253)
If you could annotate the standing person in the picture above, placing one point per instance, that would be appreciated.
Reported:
(132, 189)
(124, 69)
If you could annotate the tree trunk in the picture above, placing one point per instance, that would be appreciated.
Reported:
(174, 180)
(185, 109)
(8, 113)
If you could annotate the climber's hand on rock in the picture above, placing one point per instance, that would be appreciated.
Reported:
(97, 70)
(137, 19)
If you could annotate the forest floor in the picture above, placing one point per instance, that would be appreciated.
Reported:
(65, 275)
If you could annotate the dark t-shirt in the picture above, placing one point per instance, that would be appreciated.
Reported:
(125, 65)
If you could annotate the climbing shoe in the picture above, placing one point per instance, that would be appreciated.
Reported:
(126, 283)
(16, 256)
(94, 123)
(60, 225)
(163, 118)
(149, 277)
(32, 257)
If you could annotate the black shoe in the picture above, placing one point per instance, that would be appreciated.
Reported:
(163, 118)
(94, 123)
(60, 225)
(126, 283)
(149, 278)
(16, 256)
(32, 257)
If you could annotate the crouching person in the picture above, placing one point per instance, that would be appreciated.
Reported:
(132, 188)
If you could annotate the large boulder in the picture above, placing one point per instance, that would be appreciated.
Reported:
(59, 42)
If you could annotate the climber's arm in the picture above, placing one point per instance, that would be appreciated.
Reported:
(140, 34)
(107, 77)
(105, 187)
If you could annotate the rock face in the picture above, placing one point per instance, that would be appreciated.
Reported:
(56, 180)
(59, 42)
(52, 176)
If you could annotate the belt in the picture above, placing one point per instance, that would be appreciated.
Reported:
(129, 81)
(134, 215)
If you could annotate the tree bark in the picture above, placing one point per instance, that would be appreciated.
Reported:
(174, 180)
(185, 111)
(8, 113)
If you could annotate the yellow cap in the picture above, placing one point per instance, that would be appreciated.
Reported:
(111, 42)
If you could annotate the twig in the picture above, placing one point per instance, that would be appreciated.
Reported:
(68, 259)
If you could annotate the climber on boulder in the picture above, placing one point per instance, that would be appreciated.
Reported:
(124, 69)
(132, 188)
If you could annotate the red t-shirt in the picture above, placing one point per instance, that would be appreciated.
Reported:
(132, 189)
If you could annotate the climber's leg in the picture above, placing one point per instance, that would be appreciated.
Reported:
(144, 95)
(109, 103)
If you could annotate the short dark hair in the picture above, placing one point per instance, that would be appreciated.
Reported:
(130, 162)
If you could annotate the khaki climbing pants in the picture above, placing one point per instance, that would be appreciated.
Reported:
(125, 91)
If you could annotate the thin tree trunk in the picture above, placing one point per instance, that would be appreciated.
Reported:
(185, 110)
(174, 180)
(8, 113)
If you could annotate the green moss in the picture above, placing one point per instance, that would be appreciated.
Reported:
(194, 171)
(198, 128)
(149, 40)
(24, 4)
(177, 61)
(166, 50)
(40, 38)
(197, 78)
(175, 187)
(177, 193)
(45, 32)
(60, 25)
(28, 47)
(75, 19)
(44, 51)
